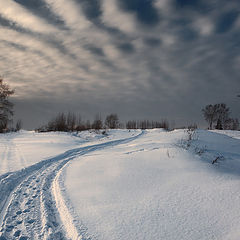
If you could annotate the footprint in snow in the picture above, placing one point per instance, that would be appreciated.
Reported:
(29, 202)
(16, 203)
(19, 212)
(23, 238)
(17, 233)
(31, 221)
(9, 228)
(8, 221)
(26, 210)
(19, 222)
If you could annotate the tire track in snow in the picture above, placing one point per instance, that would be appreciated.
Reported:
(28, 208)
(20, 156)
(4, 158)
(11, 151)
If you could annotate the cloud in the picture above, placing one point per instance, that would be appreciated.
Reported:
(70, 12)
(16, 13)
(152, 42)
(41, 9)
(95, 50)
(204, 26)
(113, 16)
(91, 9)
(194, 4)
(145, 11)
(152, 59)
(126, 48)
(226, 21)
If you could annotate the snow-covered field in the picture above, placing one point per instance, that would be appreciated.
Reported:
(20, 150)
(230, 133)
(136, 184)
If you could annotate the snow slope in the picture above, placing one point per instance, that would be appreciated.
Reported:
(230, 133)
(27, 206)
(123, 185)
(156, 187)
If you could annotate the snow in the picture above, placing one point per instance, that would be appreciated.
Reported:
(230, 133)
(28, 207)
(153, 189)
(20, 150)
(134, 184)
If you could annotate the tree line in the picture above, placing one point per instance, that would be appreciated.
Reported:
(217, 116)
(71, 122)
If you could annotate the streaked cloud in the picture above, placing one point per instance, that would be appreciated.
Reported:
(17, 14)
(156, 59)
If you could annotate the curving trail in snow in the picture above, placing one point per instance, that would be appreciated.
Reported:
(31, 206)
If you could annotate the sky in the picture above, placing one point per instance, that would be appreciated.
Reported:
(141, 59)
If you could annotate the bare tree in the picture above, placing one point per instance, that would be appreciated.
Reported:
(59, 123)
(6, 106)
(79, 120)
(164, 124)
(131, 124)
(112, 121)
(18, 125)
(218, 113)
(71, 121)
(235, 124)
(222, 116)
(83, 125)
(210, 113)
(80, 126)
(146, 124)
(88, 125)
(97, 123)
(231, 124)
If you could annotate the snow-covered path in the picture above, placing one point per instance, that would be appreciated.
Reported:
(27, 206)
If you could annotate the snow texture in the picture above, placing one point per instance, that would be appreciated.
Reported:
(28, 209)
(159, 187)
(134, 184)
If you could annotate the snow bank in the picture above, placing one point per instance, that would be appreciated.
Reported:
(152, 189)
